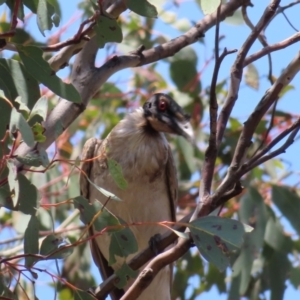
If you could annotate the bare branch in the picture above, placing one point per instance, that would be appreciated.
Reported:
(275, 47)
(237, 69)
(236, 170)
(151, 270)
(258, 158)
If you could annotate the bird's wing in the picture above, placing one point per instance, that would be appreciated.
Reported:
(92, 149)
(172, 183)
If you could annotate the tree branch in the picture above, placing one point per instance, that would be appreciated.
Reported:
(237, 69)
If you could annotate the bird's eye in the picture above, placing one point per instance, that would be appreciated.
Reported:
(162, 105)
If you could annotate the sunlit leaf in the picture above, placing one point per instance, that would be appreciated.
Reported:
(38, 132)
(209, 6)
(217, 238)
(107, 30)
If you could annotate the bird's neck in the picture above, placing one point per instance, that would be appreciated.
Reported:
(137, 147)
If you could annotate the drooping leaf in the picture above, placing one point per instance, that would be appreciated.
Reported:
(188, 152)
(278, 261)
(116, 173)
(288, 203)
(142, 8)
(35, 64)
(253, 211)
(217, 238)
(28, 199)
(107, 30)
(275, 237)
(46, 16)
(19, 82)
(31, 240)
(104, 192)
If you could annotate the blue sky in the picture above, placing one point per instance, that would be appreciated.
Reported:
(248, 98)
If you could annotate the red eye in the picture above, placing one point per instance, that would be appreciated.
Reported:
(162, 105)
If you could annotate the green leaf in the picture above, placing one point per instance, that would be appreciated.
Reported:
(38, 132)
(22, 106)
(217, 238)
(40, 109)
(253, 211)
(142, 8)
(123, 243)
(53, 243)
(123, 274)
(18, 122)
(19, 82)
(32, 58)
(295, 277)
(31, 240)
(275, 236)
(6, 197)
(116, 173)
(209, 6)
(183, 71)
(46, 16)
(278, 270)
(235, 19)
(40, 157)
(28, 199)
(107, 30)
(252, 76)
(288, 203)
(187, 150)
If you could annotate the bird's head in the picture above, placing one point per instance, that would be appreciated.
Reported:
(165, 115)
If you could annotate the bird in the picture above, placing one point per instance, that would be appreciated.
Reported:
(138, 144)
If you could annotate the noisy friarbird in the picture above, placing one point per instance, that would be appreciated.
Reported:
(139, 146)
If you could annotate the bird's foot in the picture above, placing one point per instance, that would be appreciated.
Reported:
(154, 240)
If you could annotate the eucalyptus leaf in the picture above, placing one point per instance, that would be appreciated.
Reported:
(31, 240)
(32, 58)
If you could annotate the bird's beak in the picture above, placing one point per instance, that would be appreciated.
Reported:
(185, 129)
